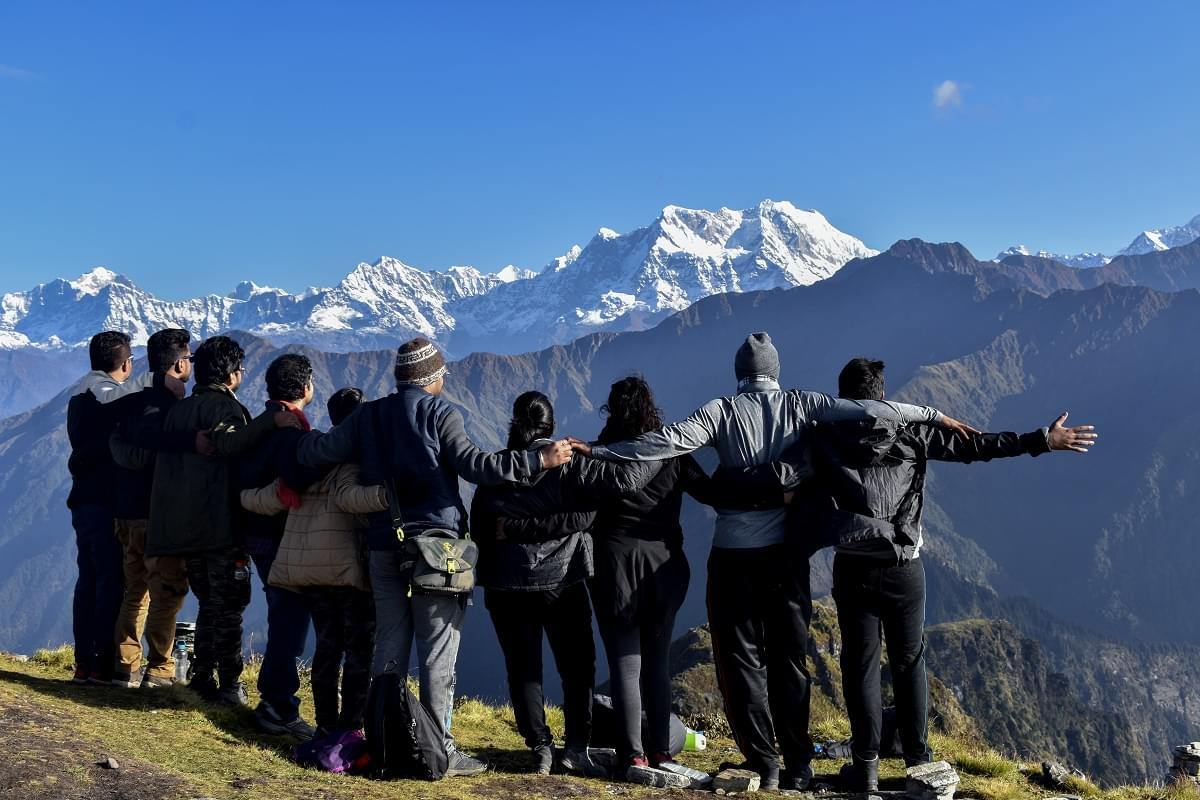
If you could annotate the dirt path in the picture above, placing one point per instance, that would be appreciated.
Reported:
(41, 759)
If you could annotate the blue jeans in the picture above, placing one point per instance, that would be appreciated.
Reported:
(99, 589)
(434, 622)
(289, 616)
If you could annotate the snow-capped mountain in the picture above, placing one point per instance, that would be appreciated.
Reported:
(369, 306)
(629, 281)
(1081, 260)
(1164, 238)
(617, 281)
(1145, 242)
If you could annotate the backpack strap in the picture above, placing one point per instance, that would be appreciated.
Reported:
(389, 484)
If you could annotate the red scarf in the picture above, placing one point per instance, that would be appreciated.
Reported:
(286, 494)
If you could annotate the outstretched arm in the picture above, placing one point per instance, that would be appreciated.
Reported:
(820, 407)
(681, 438)
(488, 469)
(944, 445)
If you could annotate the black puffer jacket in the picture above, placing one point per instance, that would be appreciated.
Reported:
(870, 509)
(534, 535)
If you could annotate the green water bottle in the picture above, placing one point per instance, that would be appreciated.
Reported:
(694, 740)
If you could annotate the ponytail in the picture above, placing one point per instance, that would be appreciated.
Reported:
(532, 419)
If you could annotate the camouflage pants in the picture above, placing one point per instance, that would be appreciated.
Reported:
(222, 598)
(155, 589)
(344, 618)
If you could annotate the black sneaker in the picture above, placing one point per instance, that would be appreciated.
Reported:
(270, 721)
(464, 765)
(234, 695)
(577, 761)
(797, 778)
(207, 689)
(543, 759)
(861, 775)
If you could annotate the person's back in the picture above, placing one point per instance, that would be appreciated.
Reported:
(415, 444)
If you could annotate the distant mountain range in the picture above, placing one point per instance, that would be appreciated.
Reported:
(1145, 242)
(616, 281)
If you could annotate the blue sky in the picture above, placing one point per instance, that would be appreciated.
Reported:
(193, 145)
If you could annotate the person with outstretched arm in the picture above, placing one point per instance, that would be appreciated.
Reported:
(415, 443)
(759, 600)
(865, 497)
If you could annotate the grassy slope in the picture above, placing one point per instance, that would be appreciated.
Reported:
(56, 731)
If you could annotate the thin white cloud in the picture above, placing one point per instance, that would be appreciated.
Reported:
(948, 94)
(15, 73)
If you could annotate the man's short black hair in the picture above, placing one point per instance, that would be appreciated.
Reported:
(216, 359)
(288, 377)
(344, 403)
(166, 347)
(108, 350)
(861, 379)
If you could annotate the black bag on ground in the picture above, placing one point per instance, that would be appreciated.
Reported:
(604, 726)
(403, 738)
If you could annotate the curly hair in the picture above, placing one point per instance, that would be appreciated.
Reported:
(216, 359)
(532, 419)
(631, 410)
(288, 377)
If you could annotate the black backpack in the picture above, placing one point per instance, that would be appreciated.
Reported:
(403, 738)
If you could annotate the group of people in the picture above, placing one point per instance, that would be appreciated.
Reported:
(189, 492)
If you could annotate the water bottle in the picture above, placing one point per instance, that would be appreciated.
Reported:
(182, 661)
(694, 740)
(241, 571)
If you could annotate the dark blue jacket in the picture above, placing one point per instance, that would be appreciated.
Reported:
(418, 441)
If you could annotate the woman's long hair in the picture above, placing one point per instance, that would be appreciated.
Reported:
(631, 411)
(532, 419)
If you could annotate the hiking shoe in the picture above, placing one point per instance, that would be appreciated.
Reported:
(234, 695)
(578, 761)
(543, 759)
(463, 765)
(80, 677)
(861, 775)
(797, 778)
(126, 681)
(99, 679)
(270, 721)
(157, 682)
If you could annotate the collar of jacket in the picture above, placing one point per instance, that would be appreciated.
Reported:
(757, 383)
(214, 387)
(295, 410)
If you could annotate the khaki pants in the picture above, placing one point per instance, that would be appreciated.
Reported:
(155, 589)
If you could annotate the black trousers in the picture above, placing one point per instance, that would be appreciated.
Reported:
(344, 618)
(888, 597)
(759, 608)
(565, 615)
(223, 597)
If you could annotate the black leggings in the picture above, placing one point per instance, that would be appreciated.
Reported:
(565, 614)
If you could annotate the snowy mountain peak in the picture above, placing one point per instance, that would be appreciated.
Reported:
(91, 283)
(1145, 242)
(617, 281)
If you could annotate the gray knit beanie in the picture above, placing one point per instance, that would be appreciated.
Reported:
(419, 363)
(757, 357)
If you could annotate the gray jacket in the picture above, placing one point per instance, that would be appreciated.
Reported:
(755, 427)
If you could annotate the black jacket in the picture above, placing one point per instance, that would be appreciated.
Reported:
(273, 458)
(134, 443)
(195, 505)
(872, 510)
(521, 549)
